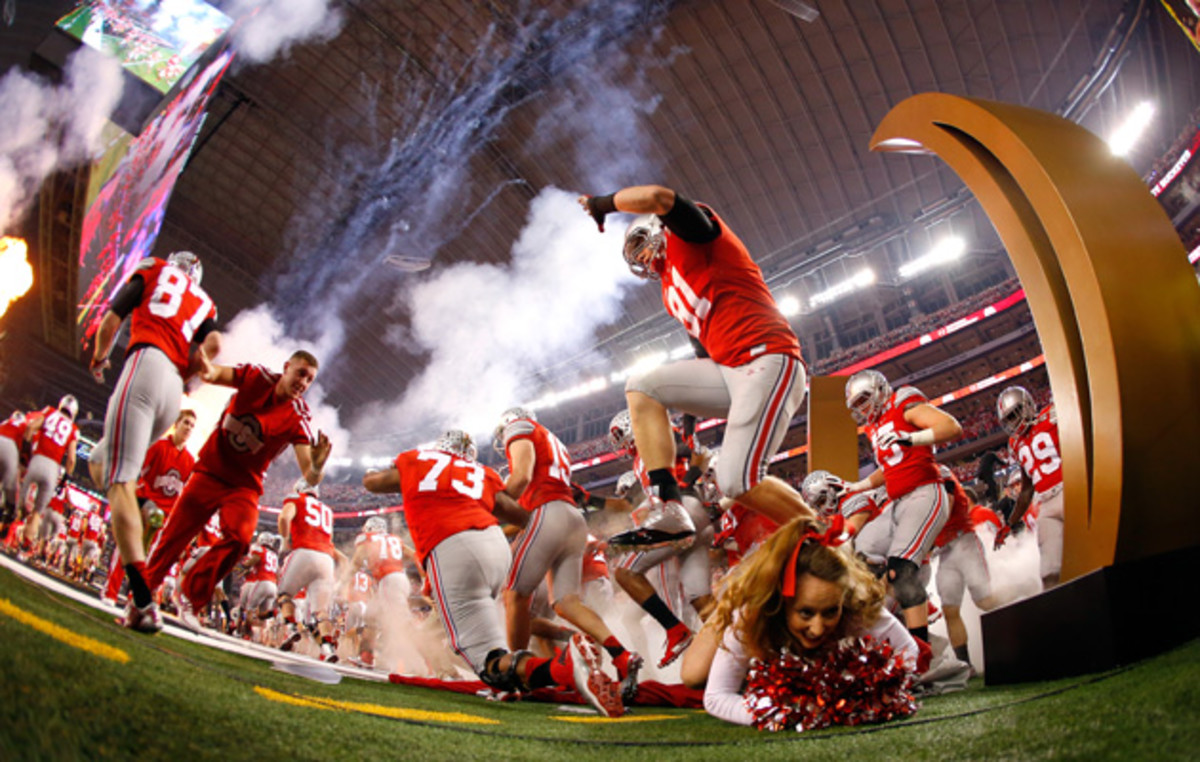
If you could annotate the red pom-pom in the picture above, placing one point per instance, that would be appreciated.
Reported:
(858, 681)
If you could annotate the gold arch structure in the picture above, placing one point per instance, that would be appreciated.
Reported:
(1117, 310)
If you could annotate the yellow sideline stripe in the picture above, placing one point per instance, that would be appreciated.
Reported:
(284, 698)
(317, 702)
(62, 634)
(626, 718)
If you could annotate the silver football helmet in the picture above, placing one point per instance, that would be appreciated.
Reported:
(626, 483)
(820, 490)
(302, 487)
(189, 263)
(867, 392)
(456, 442)
(1016, 410)
(645, 241)
(69, 405)
(272, 541)
(507, 417)
(620, 434)
(375, 524)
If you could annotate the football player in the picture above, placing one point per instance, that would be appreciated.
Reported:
(260, 586)
(166, 469)
(903, 429)
(451, 504)
(265, 415)
(1033, 442)
(748, 368)
(171, 318)
(12, 434)
(306, 524)
(553, 542)
(695, 572)
(53, 435)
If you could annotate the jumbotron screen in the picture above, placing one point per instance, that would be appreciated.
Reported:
(156, 40)
(123, 222)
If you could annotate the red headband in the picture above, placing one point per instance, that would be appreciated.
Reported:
(830, 538)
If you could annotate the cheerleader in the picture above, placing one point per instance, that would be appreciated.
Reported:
(803, 594)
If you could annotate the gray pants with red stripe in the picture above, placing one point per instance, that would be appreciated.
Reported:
(917, 517)
(466, 573)
(757, 401)
(142, 407)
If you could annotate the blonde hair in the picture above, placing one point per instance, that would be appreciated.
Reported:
(752, 601)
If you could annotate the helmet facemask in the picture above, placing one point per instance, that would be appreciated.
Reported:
(645, 241)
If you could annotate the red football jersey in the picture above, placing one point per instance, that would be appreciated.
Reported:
(57, 434)
(1037, 451)
(385, 553)
(745, 528)
(173, 306)
(77, 523)
(164, 472)
(95, 528)
(13, 426)
(267, 568)
(254, 428)
(444, 495)
(960, 510)
(360, 587)
(312, 524)
(904, 468)
(982, 515)
(551, 468)
(595, 565)
(717, 292)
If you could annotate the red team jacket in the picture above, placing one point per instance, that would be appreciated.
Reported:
(1037, 451)
(717, 292)
(904, 468)
(444, 495)
(172, 308)
(551, 478)
(57, 434)
(254, 428)
(164, 472)
(385, 553)
(312, 525)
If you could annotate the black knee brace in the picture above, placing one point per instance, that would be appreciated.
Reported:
(905, 577)
(507, 680)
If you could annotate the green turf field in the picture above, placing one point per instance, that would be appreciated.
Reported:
(97, 691)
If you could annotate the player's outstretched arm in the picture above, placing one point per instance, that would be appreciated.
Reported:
(311, 458)
(510, 511)
(106, 334)
(638, 199)
(382, 482)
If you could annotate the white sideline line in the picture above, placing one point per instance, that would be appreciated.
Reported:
(173, 628)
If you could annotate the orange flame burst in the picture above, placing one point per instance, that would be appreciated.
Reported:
(16, 274)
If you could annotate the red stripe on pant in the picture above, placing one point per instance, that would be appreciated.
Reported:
(116, 575)
(118, 430)
(768, 423)
(201, 498)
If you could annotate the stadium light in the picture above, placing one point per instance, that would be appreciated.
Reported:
(789, 306)
(861, 279)
(946, 250)
(1123, 138)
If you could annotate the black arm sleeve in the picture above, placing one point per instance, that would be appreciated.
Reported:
(690, 222)
(208, 326)
(698, 348)
(128, 297)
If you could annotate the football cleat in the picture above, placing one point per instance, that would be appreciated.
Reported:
(596, 687)
(665, 523)
(292, 639)
(678, 639)
(146, 620)
(629, 683)
(187, 615)
(328, 653)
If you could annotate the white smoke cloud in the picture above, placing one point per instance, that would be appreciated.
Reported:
(257, 336)
(264, 29)
(486, 328)
(51, 127)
